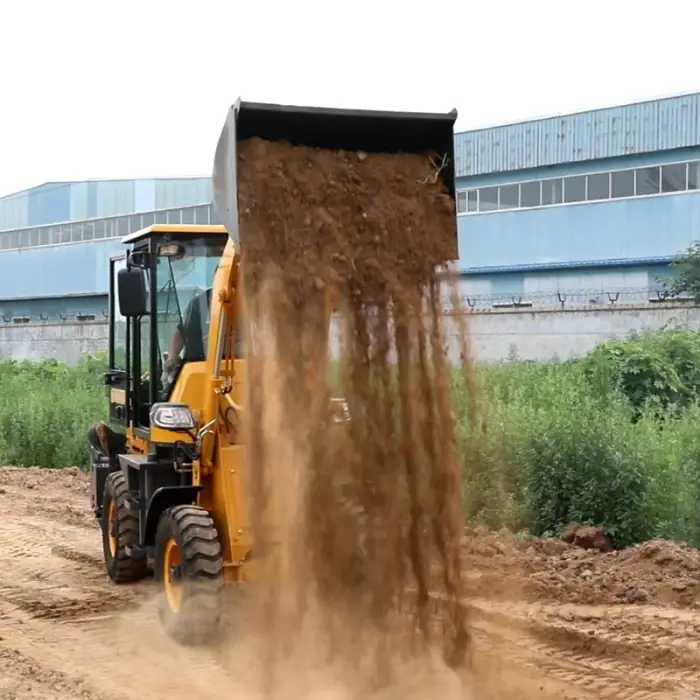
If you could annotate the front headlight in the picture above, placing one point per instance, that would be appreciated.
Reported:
(172, 416)
(340, 411)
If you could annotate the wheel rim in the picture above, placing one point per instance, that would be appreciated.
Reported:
(112, 527)
(171, 575)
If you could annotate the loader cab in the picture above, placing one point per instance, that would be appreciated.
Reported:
(159, 304)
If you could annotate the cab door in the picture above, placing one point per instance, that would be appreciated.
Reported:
(119, 338)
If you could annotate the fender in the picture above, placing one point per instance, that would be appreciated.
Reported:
(162, 499)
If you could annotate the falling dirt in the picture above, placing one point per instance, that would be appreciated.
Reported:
(66, 632)
(377, 506)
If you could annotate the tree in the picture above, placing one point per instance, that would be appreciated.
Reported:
(686, 280)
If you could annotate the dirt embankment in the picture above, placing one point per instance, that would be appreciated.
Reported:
(66, 632)
(655, 572)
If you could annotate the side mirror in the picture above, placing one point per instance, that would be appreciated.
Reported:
(133, 296)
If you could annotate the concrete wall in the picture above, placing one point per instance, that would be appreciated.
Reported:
(63, 341)
(565, 333)
(495, 335)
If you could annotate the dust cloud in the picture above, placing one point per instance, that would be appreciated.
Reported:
(359, 521)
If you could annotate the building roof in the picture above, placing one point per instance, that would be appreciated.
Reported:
(654, 125)
(60, 184)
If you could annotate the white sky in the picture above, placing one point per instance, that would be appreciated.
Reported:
(98, 88)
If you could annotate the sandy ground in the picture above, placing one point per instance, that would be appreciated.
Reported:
(549, 620)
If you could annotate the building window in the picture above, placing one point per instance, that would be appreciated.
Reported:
(175, 216)
(622, 183)
(201, 215)
(530, 195)
(598, 187)
(552, 192)
(648, 181)
(188, 215)
(575, 189)
(488, 199)
(673, 177)
(462, 202)
(134, 223)
(508, 197)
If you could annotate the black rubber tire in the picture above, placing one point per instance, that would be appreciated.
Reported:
(122, 568)
(198, 620)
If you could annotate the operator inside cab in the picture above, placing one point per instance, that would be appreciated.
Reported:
(189, 341)
(191, 333)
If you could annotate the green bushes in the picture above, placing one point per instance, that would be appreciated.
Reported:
(611, 440)
(46, 409)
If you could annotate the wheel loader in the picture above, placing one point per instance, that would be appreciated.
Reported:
(168, 465)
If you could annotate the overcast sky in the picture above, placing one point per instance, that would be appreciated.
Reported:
(100, 89)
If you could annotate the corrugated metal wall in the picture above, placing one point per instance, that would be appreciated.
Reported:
(625, 229)
(657, 125)
(66, 270)
(57, 202)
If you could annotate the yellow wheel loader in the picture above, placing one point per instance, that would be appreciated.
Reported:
(167, 466)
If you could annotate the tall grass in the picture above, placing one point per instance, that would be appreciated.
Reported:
(46, 409)
(611, 440)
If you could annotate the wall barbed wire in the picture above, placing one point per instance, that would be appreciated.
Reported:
(566, 299)
(600, 298)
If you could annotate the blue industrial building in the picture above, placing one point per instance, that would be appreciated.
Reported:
(586, 204)
(56, 240)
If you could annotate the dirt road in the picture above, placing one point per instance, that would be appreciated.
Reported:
(549, 620)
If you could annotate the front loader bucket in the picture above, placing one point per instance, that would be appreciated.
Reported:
(333, 129)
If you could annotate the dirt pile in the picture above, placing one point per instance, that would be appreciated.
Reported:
(587, 537)
(659, 571)
(359, 511)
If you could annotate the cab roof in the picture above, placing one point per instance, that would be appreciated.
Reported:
(180, 229)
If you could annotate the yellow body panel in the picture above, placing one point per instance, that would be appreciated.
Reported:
(221, 468)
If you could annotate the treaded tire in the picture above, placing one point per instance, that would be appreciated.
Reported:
(196, 620)
(121, 567)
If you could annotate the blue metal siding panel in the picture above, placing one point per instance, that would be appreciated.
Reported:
(645, 228)
(115, 197)
(507, 284)
(592, 166)
(91, 201)
(144, 195)
(607, 133)
(81, 268)
(14, 211)
(182, 192)
(79, 201)
(49, 204)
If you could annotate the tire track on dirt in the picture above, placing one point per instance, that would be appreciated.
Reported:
(612, 661)
(56, 599)
(24, 678)
(47, 578)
